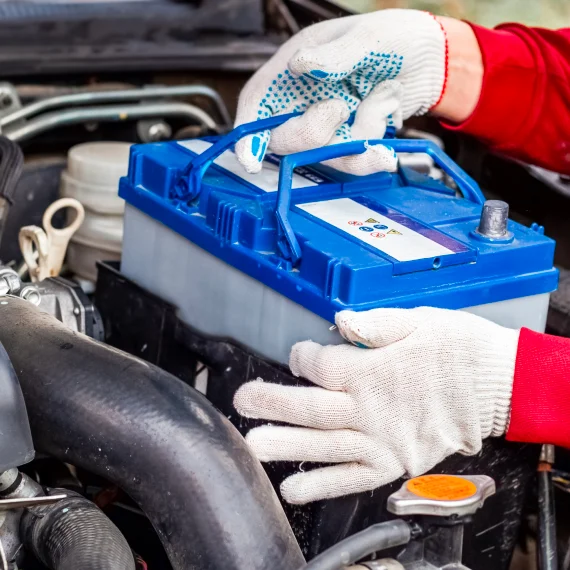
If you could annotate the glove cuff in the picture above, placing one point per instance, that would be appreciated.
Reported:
(425, 61)
(495, 357)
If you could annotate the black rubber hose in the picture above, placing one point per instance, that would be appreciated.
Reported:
(547, 551)
(74, 533)
(161, 441)
(16, 447)
(11, 166)
(373, 539)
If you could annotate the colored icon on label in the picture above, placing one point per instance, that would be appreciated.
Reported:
(378, 234)
(371, 221)
(395, 233)
(355, 223)
(365, 228)
(380, 227)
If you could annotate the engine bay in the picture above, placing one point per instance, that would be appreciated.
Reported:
(144, 278)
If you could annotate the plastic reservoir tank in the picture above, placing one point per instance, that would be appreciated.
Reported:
(92, 175)
(268, 259)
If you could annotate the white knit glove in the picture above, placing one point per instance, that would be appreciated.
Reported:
(434, 383)
(386, 66)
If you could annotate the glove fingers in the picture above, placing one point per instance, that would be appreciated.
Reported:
(330, 61)
(378, 327)
(381, 107)
(377, 158)
(251, 149)
(331, 482)
(313, 129)
(310, 407)
(331, 367)
(282, 443)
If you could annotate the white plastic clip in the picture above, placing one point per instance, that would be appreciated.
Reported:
(44, 249)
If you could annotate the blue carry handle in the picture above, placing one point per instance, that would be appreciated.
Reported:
(190, 181)
(286, 239)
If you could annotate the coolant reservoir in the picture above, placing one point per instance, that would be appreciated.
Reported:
(268, 259)
(92, 177)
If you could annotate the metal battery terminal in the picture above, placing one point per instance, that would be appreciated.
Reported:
(441, 495)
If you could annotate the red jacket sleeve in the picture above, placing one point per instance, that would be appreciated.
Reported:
(540, 406)
(524, 107)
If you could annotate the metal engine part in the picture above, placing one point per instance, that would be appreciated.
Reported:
(66, 301)
(10, 283)
(441, 505)
(436, 508)
(59, 297)
(17, 491)
(151, 103)
(9, 100)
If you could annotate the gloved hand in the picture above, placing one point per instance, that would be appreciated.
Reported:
(386, 66)
(433, 382)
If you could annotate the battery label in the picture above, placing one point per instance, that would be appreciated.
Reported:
(266, 180)
(381, 232)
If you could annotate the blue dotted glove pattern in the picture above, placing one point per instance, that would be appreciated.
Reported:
(288, 93)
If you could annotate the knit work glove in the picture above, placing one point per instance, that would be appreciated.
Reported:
(385, 66)
(433, 382)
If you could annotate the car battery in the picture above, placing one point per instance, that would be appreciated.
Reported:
(253, 263)
(268, 259)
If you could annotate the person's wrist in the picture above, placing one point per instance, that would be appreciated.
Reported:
(464, 72)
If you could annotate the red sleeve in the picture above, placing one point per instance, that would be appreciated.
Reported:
(524, 107)
(540, 408)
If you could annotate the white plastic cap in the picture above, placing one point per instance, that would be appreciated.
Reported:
(102, 232)
(99, 163)
(96, 198)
